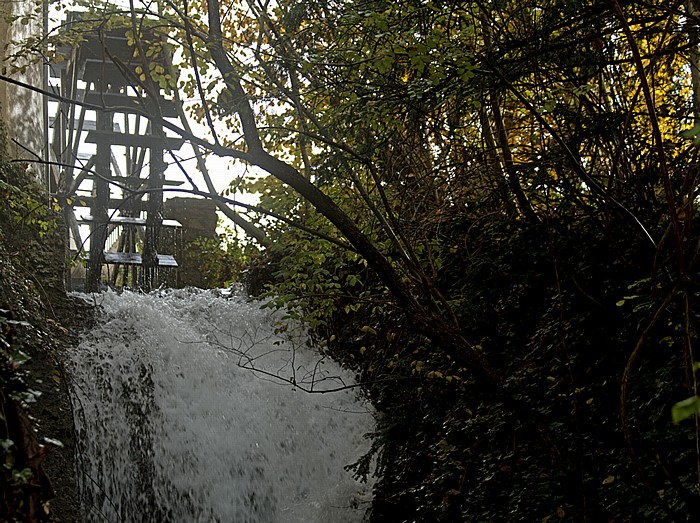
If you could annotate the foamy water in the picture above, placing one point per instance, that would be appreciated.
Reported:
(185, 413)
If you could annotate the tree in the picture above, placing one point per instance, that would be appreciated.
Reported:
(214, 43)
(417, 136)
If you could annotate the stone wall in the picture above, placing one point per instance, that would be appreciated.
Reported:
(199, 220)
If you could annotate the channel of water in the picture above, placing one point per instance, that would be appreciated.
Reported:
(185, 413)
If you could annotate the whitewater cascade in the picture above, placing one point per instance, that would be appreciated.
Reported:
(174, 426)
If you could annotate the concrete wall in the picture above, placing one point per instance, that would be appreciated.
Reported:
(21, 110)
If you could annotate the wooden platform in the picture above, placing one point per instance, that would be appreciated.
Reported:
(80, 200)
(134, 140)
(114, 101)
(128, 220)
(117, 220)
(136, 180)
(130, 258)
(85, 125)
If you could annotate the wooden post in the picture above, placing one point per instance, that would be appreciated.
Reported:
(100, 217)
(154, 218)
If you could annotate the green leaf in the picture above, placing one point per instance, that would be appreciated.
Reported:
(691, 133)
(685, 409)
(23, 475)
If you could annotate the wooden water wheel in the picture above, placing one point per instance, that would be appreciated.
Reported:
(121, 178)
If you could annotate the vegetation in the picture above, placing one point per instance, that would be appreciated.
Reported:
(223, 261)
(34, 411)
(23, 480)
(489, 208)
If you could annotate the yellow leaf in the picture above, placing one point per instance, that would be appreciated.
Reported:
(608, 480)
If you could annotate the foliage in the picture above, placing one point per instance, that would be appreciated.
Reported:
(539, 294)
(222, 260)
(27, 208)
(489, 209)
(688, 408)
(21, 477)
(25, 220)
(24, 202)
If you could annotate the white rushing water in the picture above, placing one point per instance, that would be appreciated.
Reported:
(174, 426)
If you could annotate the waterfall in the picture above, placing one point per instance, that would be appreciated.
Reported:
(189, 408)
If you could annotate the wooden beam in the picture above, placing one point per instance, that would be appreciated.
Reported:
(113, 101)
(132, 258)
(134, 140)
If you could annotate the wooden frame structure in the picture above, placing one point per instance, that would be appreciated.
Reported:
(125, 171)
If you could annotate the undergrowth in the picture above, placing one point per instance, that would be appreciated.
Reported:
(559, 309)
(31, 383)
